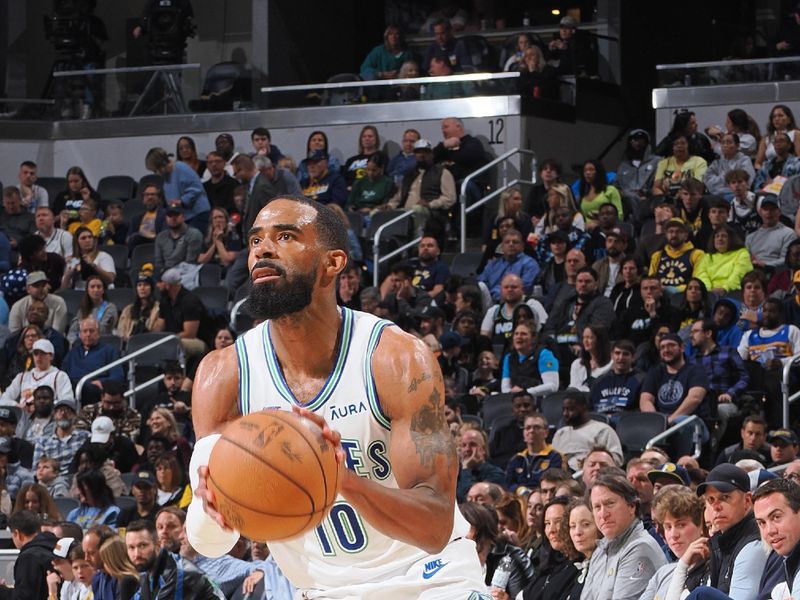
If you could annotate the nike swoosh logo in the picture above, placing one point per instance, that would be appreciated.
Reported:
(434, 571)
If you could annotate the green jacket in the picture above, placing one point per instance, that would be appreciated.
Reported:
(724, 270)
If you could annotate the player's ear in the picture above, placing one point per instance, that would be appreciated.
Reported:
(334, 263)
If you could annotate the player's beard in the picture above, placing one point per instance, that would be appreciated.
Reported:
(288, 295)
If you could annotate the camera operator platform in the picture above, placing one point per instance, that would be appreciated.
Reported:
(167, 24)
(77, 34)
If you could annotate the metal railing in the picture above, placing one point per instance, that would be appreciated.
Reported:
(788, 399)
(132, 391)
(376, 246)
(697, 438)
(503, 185)
(339, 85)
(128, 358)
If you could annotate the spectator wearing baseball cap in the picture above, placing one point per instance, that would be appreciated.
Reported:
(769, 243)
(674, 265)
(609, 268)
(38, 288)
(16, 474)
(21, 388)
(21, 450)
(668, 474)
(144, 489)
(783, 446)
(636, 170)
(737, 558)
(323, 184)
(66, 440)
(116, 446)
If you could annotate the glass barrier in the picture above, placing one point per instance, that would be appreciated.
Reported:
(119, 92)
(729, 71)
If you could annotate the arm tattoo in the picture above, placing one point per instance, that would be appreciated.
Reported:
(412, 387)
(430, 434)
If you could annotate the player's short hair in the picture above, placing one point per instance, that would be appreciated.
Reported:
(331, 231)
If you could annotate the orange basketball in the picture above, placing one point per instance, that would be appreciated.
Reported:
(273, 475)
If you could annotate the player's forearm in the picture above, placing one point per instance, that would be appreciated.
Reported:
(419, 516)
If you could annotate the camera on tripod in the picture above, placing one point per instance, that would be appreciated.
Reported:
(168, 29)
(68, 28)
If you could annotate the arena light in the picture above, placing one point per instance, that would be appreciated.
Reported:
(555, 12)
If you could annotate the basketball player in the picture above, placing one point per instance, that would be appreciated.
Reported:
(394, 531)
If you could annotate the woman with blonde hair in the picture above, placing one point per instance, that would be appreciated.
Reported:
(511, 206)
(35, 498)
(162, 422)
(536, 78)
(117, 563)
(558, 196)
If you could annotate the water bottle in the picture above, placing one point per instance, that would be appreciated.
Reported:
(502, 573)
(526, 19)
(534, 169)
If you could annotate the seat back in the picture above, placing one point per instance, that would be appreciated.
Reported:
(117, 187)
(210, 275)
(222, 77)
(399, 229)
(121, 297)
(214, 298)
(72, 298)
(119, 252)
(635, 429)
(143, 253)
(156, 356)
(496, 408)
(65, 505)
(343, 96)
(466, 264)
(550, 406)
(112, 340)
(479, 51)
(53, 185)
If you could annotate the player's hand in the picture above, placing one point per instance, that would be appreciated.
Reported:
(334, 437)
(498, 594)
(209, 502)
(251, 581)
(724, 398)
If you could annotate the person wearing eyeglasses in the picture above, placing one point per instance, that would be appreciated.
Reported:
(525, 468)
(792, 471)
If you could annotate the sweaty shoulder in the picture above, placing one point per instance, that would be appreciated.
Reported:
(401, 357)
(214, 391)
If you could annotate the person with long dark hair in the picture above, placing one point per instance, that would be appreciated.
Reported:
(142, 315)
(172, 487)
(67, 204)
(685, 124)
(186, 151)
(87, 260)
(94, 304)
(692, 305)
(594, 191)
(317, 140)
(96, 501)
(594, 360)
(744, 126)
(781, 120)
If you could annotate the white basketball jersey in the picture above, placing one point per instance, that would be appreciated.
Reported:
(344, 549)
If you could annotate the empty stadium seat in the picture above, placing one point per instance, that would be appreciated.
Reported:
(635, 429)
(117, 187)
(214, 298)
(496, 409)
(53, 185)
(210, 275)
(121, 297)
(155, 356)
(466, 264)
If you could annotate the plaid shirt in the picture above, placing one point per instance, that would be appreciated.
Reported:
(128, 425)
(725, 369)
(62, 449)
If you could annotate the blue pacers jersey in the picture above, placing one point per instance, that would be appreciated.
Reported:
(344, 550)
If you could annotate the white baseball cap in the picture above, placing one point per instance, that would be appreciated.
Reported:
(101, 430)
(44, 346)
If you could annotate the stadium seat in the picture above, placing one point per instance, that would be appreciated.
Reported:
(155, 356)
(356, 222)
(214, 298)
(225, 82)
(399, 229)
(210, 275)
(120, 255)
(125, 501)
(72, 298)
(112, 340)
(496, 408)
(132, 209)
(121, 297)
(53, 185)
(550, 407)
(635, 429)
(143, 253)
(466, 264)
(65, 505)
(480, 53)
(339, 97)
(117, 187)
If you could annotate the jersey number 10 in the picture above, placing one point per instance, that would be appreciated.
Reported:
(342, 530)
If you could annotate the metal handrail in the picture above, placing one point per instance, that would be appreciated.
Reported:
(376, 245)
(121, 70)
(502, 159)
(387, 82)
(121, 360)
(778, 468)
(728, 63)
(698, 434)
(787, 399)
(132, 392)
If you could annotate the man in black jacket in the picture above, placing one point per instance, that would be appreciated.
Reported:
(737, 558)
(35, 557)
(164, 575)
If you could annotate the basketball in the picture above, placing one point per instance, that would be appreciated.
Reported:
(273, 474)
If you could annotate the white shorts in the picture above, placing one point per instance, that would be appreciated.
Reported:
(453, 574)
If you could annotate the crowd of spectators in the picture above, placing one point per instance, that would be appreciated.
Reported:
(667, 285)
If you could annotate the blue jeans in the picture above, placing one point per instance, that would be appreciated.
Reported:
(707, 593)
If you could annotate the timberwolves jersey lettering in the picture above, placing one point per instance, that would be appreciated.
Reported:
(344, 551)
